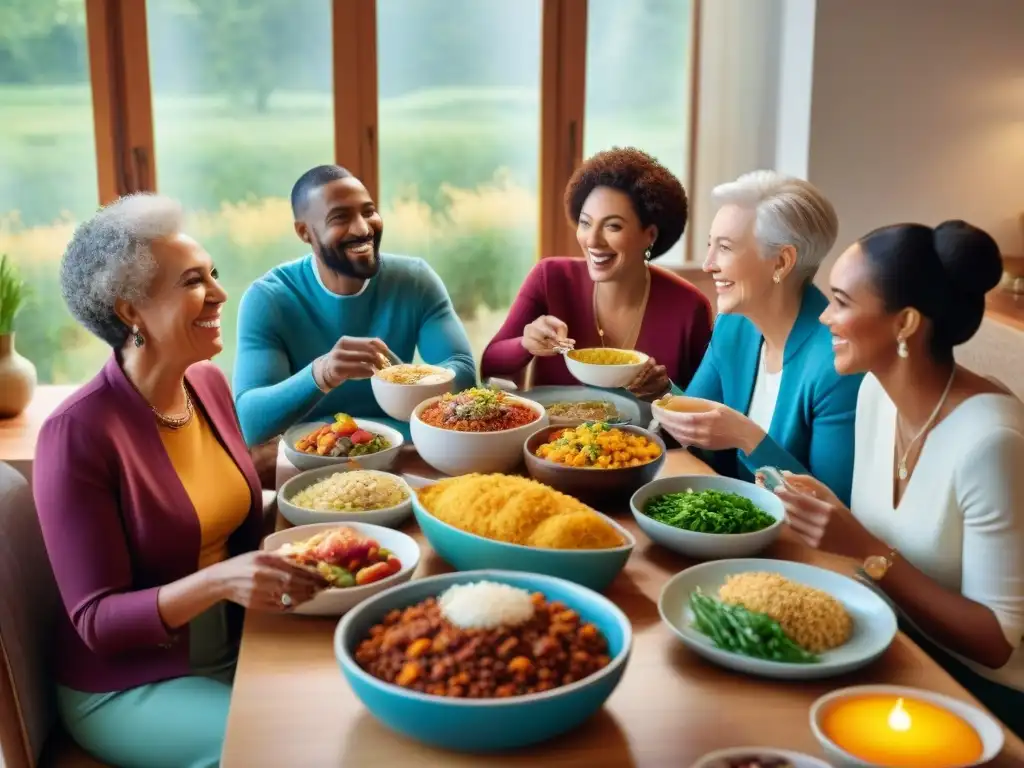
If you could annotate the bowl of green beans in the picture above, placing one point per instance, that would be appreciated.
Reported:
(708, 517)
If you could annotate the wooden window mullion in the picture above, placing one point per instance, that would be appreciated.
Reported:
(354, 35)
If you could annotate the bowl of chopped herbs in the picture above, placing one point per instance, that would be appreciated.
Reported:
(708, 517)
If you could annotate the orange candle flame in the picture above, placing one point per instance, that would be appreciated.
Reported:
(899, 718)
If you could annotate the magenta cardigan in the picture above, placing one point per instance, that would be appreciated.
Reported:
(118, 524)
(675, 329)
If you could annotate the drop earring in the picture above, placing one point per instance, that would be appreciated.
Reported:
(137, 336)
(647, 254)
(901, 348)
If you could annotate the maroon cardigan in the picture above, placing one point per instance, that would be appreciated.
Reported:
(675, 329)
(118, 524)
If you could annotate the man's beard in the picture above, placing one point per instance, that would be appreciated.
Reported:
(336, 259)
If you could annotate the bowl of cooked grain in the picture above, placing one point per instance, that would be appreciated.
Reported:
(776, 618)
(514, 523)
(312, 545)
(334, 495)
(501, 659)
(476, 430)
(398, 389)
(594, 461)
(604, 366)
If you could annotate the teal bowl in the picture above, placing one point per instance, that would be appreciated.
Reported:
(593, 568)
(484, 725)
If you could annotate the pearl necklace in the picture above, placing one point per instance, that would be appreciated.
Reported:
(635, 333)
(901, 471)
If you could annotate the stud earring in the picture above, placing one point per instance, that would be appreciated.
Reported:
(137, 336)
(901, 348)
(647, 254)
(776, 278)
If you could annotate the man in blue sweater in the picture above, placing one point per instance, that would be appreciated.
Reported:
(310, 331)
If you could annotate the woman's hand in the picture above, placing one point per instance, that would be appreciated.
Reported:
(821, 520)
(260, 580)
(651, 382)
(719, 429)
(544, 336)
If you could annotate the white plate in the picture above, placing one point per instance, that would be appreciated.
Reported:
(874, 623)
(381, 460)
(389, 517)
(799, 760)
(337, 601)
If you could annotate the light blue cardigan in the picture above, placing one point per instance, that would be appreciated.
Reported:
(812, 429)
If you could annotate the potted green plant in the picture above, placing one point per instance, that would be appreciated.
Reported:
(17, 374)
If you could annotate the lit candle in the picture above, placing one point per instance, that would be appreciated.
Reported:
(901, 733)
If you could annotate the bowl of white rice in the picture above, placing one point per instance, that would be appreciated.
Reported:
(334, 495)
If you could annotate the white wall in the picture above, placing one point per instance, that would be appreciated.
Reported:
(917, 113)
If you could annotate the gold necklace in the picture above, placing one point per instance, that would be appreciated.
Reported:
(176, 422)
(901, 469)
(635, 333)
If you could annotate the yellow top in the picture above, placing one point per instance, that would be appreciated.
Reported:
(215, 485)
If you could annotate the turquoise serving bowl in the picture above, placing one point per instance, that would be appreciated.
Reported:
(484, 725)
(593, 568)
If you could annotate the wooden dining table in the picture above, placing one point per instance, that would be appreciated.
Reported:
(292, 707)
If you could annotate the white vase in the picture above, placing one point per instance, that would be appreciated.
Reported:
(17, 379)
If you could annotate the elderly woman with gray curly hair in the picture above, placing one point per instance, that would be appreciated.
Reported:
(769, 366)
(149, 501)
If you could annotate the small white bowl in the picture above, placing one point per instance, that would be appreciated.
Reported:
(389, 517)
(381, 460)
(708, 546)
(987, 727)
(462, 453)
(399, 400)
(717, 758)
(336, 601)
(607, 376)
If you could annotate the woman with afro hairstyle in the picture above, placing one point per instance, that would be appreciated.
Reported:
(627, 209)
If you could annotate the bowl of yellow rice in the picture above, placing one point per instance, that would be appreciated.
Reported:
(513, 523)
(604, 366)
(594, 460)
(334, 495)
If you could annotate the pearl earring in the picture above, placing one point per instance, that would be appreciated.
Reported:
(137, 336)
(901, 348)
(776, 278)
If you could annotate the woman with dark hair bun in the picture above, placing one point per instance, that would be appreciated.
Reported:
(627, 209)
(937, 513)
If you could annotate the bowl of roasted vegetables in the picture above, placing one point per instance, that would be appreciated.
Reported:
(595, 460)
(356, 560)
(345, 440)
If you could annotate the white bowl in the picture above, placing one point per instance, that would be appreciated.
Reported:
(987, 727)
(695, 405)
(389, 517)
(399, 400)
(716, 759)
(874, 623)
(607, 376)
(336, 601)
(708, 546)
(382, 460)
(462, 453)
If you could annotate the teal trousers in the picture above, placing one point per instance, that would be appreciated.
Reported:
(177, 723)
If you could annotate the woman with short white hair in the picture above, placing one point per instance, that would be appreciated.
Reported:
(149, 501)
(770, 363)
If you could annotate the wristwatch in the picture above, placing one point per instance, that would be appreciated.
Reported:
(876, 566)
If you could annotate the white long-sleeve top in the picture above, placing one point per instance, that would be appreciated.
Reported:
(961, 517)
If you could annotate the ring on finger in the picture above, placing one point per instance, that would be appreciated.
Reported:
(286, 600)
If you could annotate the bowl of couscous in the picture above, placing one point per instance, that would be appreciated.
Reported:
(605, 367)
(595, 461)
(333, 495)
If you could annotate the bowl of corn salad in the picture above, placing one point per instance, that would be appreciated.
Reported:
(605, 367)
(333, 495)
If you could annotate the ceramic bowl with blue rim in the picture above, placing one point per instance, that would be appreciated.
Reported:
(492, 724)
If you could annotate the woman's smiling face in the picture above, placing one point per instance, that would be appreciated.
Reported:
(610, 233)
(743, 277)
